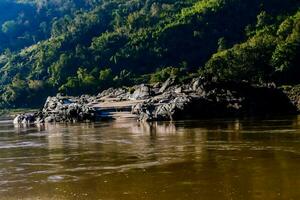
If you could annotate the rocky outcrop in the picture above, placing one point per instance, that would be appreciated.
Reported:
(68, 109)
(201, 99)
(61, 109)
(170, 101)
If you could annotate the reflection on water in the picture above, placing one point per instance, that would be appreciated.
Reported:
(208, 159)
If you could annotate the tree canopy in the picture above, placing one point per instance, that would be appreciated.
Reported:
(83, 46)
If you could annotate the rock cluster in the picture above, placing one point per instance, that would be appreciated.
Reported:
(68, 109)
(26, 118)
(201, 98)
(61, 109)
(170, 101)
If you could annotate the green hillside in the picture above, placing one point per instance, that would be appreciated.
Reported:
(86, 46)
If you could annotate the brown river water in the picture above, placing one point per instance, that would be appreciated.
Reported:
(208, 159)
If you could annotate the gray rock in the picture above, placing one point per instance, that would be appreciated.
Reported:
(26, 118)
(169, 82)
(157, 85)
(212, 99)
(49, 119)
(141, 92)
(199, 98)
(178, 90)
(61, 109)
(120, 93)
(17, 119)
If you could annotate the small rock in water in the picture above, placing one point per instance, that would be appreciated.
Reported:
(27, 118)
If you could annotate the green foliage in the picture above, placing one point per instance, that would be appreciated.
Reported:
(66, 46)
(83, 82)
(124, 78)
(25, 22)
(163, 74)
(285, 57)
(272, 54)
(106, 76)
(248, 61)
(22, 92)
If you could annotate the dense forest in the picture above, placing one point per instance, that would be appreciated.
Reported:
(84, 46)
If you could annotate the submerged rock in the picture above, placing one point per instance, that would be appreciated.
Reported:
(26, 118)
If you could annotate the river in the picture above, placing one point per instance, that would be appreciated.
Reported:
(207, 159)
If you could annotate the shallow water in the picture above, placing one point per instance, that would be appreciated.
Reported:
(208, 159)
